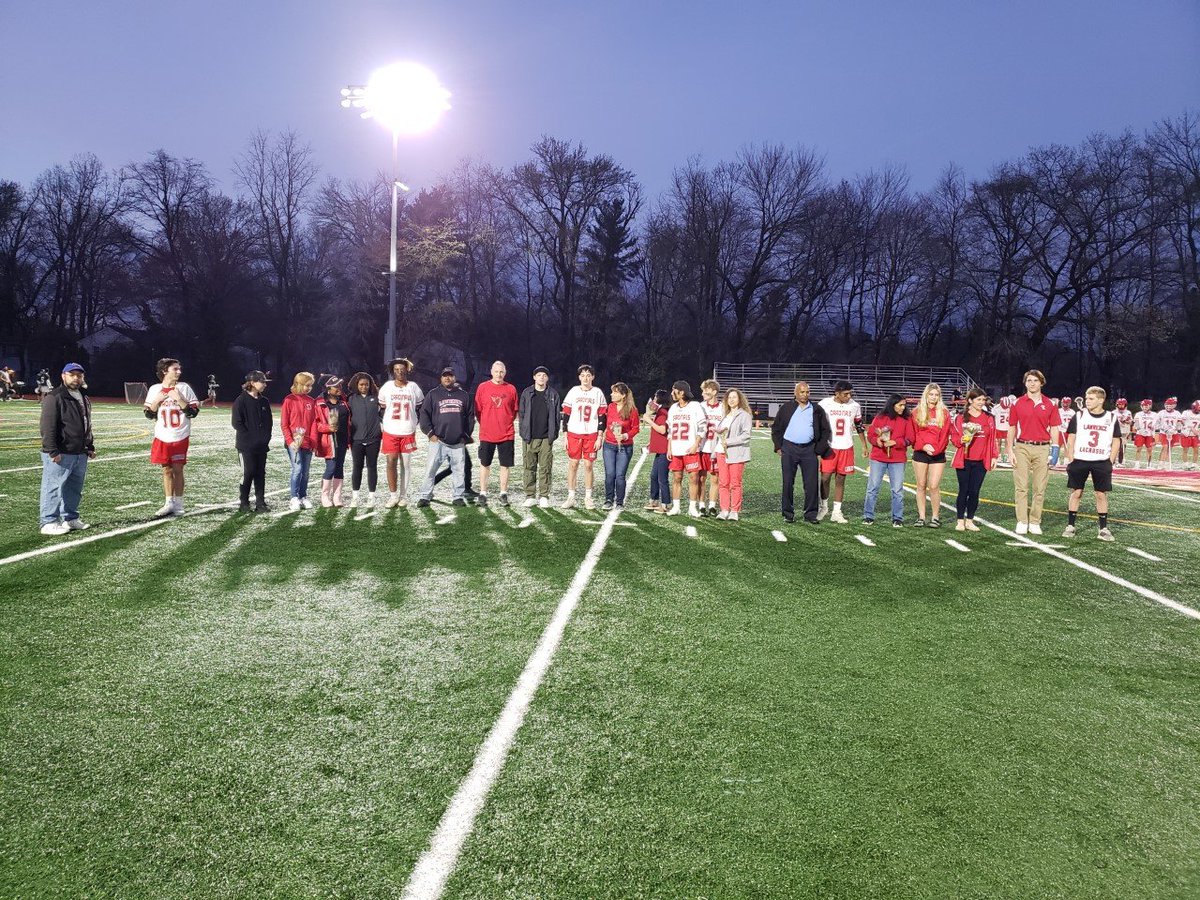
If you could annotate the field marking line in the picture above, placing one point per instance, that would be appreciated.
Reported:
(446, 520)
(1035, 546)
(864, 540)
(365, 515)
(526, 522)
(779, 536)
(691, 531)
(1053, 550)
(963, 548)
(437, 862)
(1146, 490)
(136, 505)
(1143, 554)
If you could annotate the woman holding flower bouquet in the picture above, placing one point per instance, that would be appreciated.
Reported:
(931, 421)
(297, 418)
(333, 434)
(973, 435)
(623, 422)
(890, 435)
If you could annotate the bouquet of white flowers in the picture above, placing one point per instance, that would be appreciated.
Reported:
(297, 437)
(969, 431)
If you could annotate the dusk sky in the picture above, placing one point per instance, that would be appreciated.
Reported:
(866, 84)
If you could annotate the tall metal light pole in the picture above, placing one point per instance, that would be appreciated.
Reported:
(408, 99)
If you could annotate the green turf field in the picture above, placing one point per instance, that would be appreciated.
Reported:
(283, 706)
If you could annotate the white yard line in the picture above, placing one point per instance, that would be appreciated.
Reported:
(1143, 554)
(779, 536)
(136, 505)
(691, 531)
(525, 523)
(436, 864)
(446, 520)
(962, 548)
(864, 540)
(1146, 490)
(1033, 545)
(365, 515)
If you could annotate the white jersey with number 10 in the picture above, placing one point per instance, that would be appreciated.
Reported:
(842, 419)
(400, 406)
(684, 423)
(170, 424)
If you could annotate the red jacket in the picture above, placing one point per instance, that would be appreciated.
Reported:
(629, 426)
(323, 445)
(931, 433)
(982, 446)
(299, 411)
(902, 433)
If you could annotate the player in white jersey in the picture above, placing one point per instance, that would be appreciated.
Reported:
(1065, 412)
(1143, 434)
(399, 400)
(1125, 420)
(584, 410)
(172, 404)
(710, 390)
(686, 428)
(1093, 442)
(1167, 425)
(845, 420)
(1189, 436)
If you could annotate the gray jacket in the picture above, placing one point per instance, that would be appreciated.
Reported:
(553, 403)
(735, 430)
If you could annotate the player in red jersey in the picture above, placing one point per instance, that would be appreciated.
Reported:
(686, 426)
(172, 404)
(1125, 420)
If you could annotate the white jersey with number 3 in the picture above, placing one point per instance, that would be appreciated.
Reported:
(842, 419)
(170, 423)
(1094, 435)
(684, 423)
(584, 407)
(400, 406)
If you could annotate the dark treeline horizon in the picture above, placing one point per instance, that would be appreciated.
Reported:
(1082, 261)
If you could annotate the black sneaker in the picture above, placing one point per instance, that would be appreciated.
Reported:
(608, 505)
(261, 507)
(789, 519)
(469, 494)
(868, 521)
(462, 501)
(504, 499)
(481, 499)
(422, 503)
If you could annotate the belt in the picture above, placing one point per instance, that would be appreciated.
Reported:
(794, 444)
(1034, 443)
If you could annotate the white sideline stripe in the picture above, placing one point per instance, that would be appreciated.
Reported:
(690, 531)
(1052, 550)
(136, 505)
(601, 523)
(525, 523)
(957, 546)
(864, 540)
(779, 536)
(446, 520)
(437, 862)
(365, 515)
(1143, 554)
(1034, 545)
(1145, 490)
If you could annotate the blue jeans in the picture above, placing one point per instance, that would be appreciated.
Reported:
(895, 475)
(616, 464)
(300, 460)
(660, 479)
(1054, 455)
(454, 455)
(62, 486)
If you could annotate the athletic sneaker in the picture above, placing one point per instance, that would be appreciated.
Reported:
(392, 500)
(503, 499)
(733, 516)
(569, 503)
(837, 518)
(168, 509)
(897, 523)
(77, 524)
(722, 515)
(294, 505)
(607, 507)
(459, 501)
(530, 502)
(53, 529)
(1069, 531)
(481, 499)
(588, 502)
(402, 502)
(867, 521)
(423, 503)
(1035, 528)
(1022, 528)
(544, 503)
(822, 510)
(354, 499)
(695, 513)
(261, 507)
(1105, 535)
(305, 503)
(674, 511)
(244, 506)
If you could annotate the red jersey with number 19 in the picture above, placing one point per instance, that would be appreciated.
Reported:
(684, 423)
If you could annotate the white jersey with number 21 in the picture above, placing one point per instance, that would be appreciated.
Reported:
(400, 408)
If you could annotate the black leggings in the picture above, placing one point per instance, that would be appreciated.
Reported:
(970, 480)
(365, 452)
(254, 473)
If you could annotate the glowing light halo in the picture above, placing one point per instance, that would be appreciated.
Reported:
(405, 97)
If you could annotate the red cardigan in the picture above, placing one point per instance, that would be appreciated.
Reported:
(299, 411)
(985, 438)
(902, 433)
(931, 433)
(629, 427)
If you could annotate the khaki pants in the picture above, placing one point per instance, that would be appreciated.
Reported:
(1030, 463)
(538, 458)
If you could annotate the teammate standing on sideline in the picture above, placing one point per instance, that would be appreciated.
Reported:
(1189, 436)
(1001, 413)
(1065, 413)
(67, 445)
(733, 451)
(686, 426)
(297, 420)
(973, 435)
(800, 434)
(845, 419)
(333, 440)
(172, 404)
(1167, 426)
(538, 423)
(212, 390)
(252, 424)
(582, 410)
(1143, 427)
(931, 424)
(399, 399)
(1033, 427)
(1093, 441)
(710, 390)
(365, 437)
(496, 406)
(1125, 420)
(657, 409)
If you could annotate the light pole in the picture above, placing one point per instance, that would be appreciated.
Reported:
(407, 99)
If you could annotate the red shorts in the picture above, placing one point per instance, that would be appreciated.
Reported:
(1143, 440)
(689, 463)
(581, 446)
(398, 443)
(708, 463)
(1162, 440)
(841, 462)
(1187, 442)
(166, 453)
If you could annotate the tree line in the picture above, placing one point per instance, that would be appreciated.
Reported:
(1083, 261)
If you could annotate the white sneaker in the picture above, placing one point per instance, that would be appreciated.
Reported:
(588, 502)
(543, 503)
(354, 499)
(167, 509)
(695, 513)
(392, 501)
(53, 529)
(570, 501)
(723, 515)
(837, 517)
(673, 511)
(1022, 528)
(371, 500)
(76, 524)
(733, 517)
(822, 510)
(294, 505)
(530, 502)
(402, 502)
(1035, 528)
(305, 503)
(1069, 531)
(1105, 535)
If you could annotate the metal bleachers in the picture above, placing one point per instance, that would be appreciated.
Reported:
(768, 385)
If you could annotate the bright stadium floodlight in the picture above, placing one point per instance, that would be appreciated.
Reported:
(407, 99)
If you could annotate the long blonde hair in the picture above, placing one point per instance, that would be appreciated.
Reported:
(921, 414)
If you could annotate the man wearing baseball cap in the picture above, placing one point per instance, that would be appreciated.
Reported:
(67, 445)
(447, 417)
(538, 424)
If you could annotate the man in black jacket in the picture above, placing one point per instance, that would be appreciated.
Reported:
(538, 424)
(801, 435)
(446, 417)
(67, 445)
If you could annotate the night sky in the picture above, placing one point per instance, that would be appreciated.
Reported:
(867, 84)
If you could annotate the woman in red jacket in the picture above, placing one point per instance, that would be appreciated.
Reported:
(298, 420)
(333, 433)
(973, 435)
(623, 422)
(890, 434)
(931, 420)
